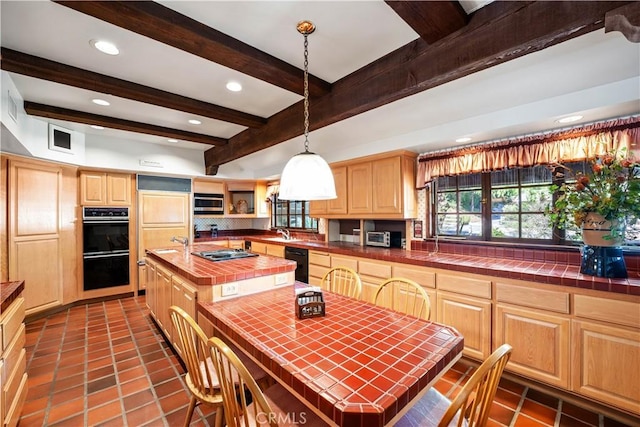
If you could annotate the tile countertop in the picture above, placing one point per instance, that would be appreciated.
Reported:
(549, 272)
(9, 291)
(359, 365)
(204, 272)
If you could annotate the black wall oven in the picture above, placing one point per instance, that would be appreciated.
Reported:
(105, 247)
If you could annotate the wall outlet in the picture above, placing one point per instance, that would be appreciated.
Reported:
(229, 289)
(281, 279)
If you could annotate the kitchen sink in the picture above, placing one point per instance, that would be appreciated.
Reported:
(282, 239)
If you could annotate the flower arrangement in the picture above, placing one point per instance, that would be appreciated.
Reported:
(611, 189)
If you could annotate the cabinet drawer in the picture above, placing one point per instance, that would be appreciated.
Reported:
(320, 258)
(339, 261)
(464, 285)
(11, 355)
(607, 310)
(12, 383)
(535, 298)
(374, 269)
(419, 275)
(13, 413)
(275, 250)
(12, 320)
(317, 271)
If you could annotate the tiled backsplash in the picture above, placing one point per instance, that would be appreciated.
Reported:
(204, 224)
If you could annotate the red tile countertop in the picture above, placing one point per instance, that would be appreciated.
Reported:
(204, 272)
(9, 291)
(540, 266)
(359, 365)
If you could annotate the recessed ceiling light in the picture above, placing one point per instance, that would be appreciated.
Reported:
(105, 47)
(234, 86)
(465, 139)
(97, 127)
(172, 140)
(195, 122)
(100, 101)
(569, 119)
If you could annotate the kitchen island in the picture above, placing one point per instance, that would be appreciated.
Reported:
(557, 320)
(176, 276)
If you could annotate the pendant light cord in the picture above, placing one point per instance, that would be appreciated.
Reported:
(306, 94)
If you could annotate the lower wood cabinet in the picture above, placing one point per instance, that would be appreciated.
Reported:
(540, 342)
(13, 362)
(605, 363)
(165, 289)
(319, 264)
(267, 249)
(471, 317)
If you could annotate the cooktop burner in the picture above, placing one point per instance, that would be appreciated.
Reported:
(224, 254)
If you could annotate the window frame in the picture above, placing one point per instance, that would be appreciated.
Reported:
(305, 214)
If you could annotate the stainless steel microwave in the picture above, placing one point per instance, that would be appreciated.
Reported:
(208, 204)
(385, 239)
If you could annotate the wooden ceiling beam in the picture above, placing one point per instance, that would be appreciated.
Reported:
(41, 68)
(58, 113)
(432, 20)
(497, 33)
(167, 26)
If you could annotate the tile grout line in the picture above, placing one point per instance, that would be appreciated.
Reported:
(519, 407)
(123, 415)
(152, 388)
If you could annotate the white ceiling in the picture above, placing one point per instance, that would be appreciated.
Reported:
(597, 75)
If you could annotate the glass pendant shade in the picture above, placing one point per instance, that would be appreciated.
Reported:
(307, 176)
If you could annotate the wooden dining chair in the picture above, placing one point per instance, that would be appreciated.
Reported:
(403, 295)
(342, 280)
(245, 404)
(201, 377)
(473, 401)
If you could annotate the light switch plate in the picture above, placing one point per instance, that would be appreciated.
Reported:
(229, 289)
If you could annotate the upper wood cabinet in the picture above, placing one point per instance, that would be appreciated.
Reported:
(374, 187)
(360, 188)
(105, 189)
(337, 206)
(206, 186)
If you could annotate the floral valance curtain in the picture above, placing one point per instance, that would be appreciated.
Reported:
(271, 190)
(574, 145)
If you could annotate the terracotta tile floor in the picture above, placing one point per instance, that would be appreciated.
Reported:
(106, 364)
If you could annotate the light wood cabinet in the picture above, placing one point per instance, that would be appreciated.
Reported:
(319, 264)
(471, 317)
(380, 186)
(163, 299)
(386, 197)
(43, 225)
(537, 325)
(267, 249)
(540, 342)
(161, 216)
(425, 277)
(13, 365)
(359, 188)
(105, 189)
(606, 363)
(151, 293)
(183, 295)
(372, 274)
(208, 187)
(605, 347)
(236, 244)
(337, 206)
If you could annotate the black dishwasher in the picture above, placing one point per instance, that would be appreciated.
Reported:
(300, 256)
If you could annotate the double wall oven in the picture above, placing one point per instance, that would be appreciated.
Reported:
(105, 247)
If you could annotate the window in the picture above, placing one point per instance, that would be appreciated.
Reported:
(292, 214)
(505, 205)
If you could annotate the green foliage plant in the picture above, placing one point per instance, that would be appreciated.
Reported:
(611, 189)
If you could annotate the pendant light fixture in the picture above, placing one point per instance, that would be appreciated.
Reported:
(306, 176)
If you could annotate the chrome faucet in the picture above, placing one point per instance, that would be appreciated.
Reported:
(286, 234)
(183, 240)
